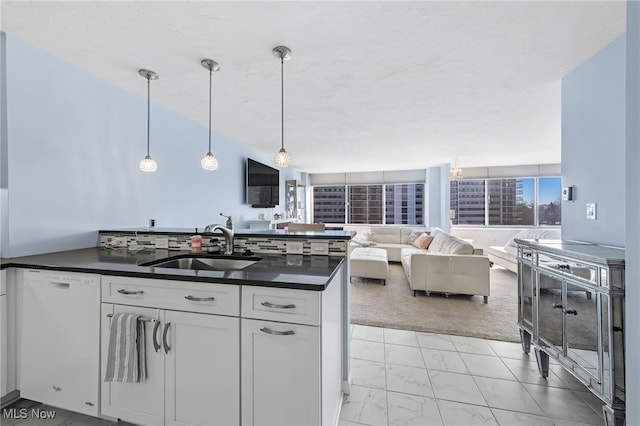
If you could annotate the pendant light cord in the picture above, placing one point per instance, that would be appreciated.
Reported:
(282, 97)
(148, 111)
(210, 73)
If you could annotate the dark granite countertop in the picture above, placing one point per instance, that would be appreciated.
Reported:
(280, 233)
(284, 271)
(580, 250)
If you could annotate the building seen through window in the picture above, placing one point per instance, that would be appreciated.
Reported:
(506, 202)
(369, 204)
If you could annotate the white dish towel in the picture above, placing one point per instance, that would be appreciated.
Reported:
(126, 358)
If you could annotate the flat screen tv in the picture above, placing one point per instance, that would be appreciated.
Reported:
(263, 185)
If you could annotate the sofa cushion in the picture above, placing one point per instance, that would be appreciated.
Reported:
(506, 253)
(423, 241)
(448, 244)
(535, 233)
(386, 234)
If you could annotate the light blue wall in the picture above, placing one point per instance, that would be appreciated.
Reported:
(74, 144)
(437, 198)
(593, 146)
(632, 230)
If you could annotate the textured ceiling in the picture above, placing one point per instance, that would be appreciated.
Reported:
(370, 86)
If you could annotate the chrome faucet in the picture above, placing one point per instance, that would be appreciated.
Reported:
(229, 221)
(228, 237)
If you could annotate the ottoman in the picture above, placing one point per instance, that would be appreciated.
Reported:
(369, 262)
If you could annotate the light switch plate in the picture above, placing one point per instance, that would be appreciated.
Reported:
(320, 249)
(295, 247)
(591, 211)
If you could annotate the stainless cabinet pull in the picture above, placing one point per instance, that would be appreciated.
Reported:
(156, 345)
(167, 348)
(277, 333)
(123, 291)
(275, 306)
(200, 299)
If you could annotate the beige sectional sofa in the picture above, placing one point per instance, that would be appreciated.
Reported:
(391, 238)
(449, 265)
(506, 256)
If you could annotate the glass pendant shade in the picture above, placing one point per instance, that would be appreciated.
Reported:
(148, 164)
(282, 158)
(209, 162)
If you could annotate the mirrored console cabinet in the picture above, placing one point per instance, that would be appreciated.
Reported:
(571, 308)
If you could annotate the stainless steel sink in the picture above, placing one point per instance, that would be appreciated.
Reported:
(200, 262)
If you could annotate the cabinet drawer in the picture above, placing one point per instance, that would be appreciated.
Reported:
(221, 299)
(570, 267)
(278, 304)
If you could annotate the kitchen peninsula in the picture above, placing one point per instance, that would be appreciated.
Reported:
(264, 344)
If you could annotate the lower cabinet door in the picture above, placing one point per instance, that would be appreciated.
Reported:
(3, 345)
(280, 373)
(202, 369)
(140, 403)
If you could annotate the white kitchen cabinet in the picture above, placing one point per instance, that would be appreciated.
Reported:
(60, 339)
(280, 373)
(140, 403)
(3, 334)
(8, 335)
(291, 372)
(194, 378)
(202, 385)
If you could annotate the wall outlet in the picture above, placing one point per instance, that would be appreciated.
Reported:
(320, 249)
(591, 211)
(295, 247)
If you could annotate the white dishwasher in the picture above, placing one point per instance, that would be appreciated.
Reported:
(61, 340)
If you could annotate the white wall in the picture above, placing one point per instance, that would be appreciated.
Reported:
(593, 146)
(74, 144)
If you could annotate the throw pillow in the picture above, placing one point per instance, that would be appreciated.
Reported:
(423, 241)
(413, 236)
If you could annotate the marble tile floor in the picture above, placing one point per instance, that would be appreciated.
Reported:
(403, 377)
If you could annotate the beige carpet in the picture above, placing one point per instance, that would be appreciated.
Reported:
(394, 306)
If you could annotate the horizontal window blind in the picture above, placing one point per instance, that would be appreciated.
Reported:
(531, 170)
(355, 178)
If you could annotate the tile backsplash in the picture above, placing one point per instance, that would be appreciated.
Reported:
(266, 244)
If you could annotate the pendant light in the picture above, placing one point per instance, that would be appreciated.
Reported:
(209, 162)
(282, 158)
(455, 172)
(148, 164)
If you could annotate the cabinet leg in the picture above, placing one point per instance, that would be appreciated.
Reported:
(542, 359)
(613, 416)
(525, 340)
